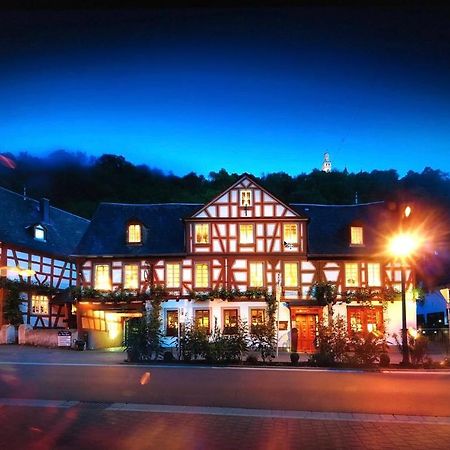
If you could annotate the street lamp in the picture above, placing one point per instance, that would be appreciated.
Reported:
(403, 246)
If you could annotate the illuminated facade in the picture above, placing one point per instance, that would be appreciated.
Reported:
(243, 240)
(36, 241)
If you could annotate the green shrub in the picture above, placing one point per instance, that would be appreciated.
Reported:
(295, 357)
(263, 341)
(365, 350)
(385, 360)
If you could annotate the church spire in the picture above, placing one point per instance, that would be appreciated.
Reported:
(326, 165)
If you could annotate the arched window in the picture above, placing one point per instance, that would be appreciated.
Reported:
(134, 233)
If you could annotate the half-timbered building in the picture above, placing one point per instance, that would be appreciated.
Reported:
(243, 240)
(36, 241)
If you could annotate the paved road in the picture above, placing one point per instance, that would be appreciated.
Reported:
(409, 393)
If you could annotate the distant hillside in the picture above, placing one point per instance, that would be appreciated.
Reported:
(77, 182)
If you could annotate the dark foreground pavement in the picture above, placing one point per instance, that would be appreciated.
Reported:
(96, 426)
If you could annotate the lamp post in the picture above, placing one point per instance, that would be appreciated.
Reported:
(402, 246)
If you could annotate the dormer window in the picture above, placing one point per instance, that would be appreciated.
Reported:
(356, 235)
(39, 233)
(134, 233)
(245, 198)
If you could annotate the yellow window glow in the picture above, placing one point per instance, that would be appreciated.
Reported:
(290, 233)
(246, 234)
(201, 275)
(373, 274)
(102, 280)
(134, 233)
(356, 235)
(351, 275)
(131, 276)
(291, 274)
(201, 319)
(256, 274)
(245, 197)
(201, 233)
(39, 304)
(172, 275)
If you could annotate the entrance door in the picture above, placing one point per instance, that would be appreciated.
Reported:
(306, 326)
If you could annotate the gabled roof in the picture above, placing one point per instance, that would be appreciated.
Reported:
(18, 215)
(329, 228)
(163, 229)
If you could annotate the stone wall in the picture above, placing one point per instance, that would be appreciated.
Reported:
(41, 337)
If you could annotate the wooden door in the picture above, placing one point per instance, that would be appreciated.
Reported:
(306, 326)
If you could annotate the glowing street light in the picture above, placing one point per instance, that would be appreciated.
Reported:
(403, 246)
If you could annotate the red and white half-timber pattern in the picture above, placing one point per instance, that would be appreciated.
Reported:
(48, 270)
(267, 215)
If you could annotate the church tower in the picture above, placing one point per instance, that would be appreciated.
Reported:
(326, 165)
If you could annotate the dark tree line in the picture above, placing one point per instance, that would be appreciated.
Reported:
(77, 183)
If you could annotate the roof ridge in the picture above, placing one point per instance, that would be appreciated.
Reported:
(150, 204)
(37, 201)
(353, 205)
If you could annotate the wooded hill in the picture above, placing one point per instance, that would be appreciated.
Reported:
(77, 183)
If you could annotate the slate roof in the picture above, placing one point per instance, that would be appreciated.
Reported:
(164, 232)
(163, 229)
(19, 215)
(329, 228)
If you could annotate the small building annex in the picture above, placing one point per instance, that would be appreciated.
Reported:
(244, 240)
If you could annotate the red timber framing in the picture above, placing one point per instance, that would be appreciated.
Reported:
(48, 269)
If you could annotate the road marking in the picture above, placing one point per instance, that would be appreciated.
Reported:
(238, 412)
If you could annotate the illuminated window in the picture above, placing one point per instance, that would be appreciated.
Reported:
(39, 304)
(291, 274)
(201, 233)
(245, 197)
(365, 320)
(172, 323)
(201, 319)
(102, 280)
(257, 317)
(373, 274)
(256, 274)
(39, 233)
(172, 275)
(290, 233)
(134, 234)
(356, 235)
(201, 275)
(230, 321)
(351, 275)
(131, 276)
(246, 234)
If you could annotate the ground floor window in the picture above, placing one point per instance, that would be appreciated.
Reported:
(230, 321)
(39, 304)
(365, 319)
(172, 323)
(201, 319)
(257, 317)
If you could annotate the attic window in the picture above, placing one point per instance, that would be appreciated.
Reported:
(245, 198)
(356, 236)
(39, 233)
(134, 233)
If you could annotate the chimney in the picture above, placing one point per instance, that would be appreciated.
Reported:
(43, 208)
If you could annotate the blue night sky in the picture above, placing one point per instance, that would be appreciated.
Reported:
(247, 90)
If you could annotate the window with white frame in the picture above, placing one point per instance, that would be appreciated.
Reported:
(201, 233)
(246, 233)
(201, 275)
(256, 274)
(290, 233)
(356, 236)
(39, 233)
(257, 317)
(39, 304)
(102, 278)
(351, 275)
(230, 321)
(245, 197)
(291, 274)
(373, 274)
(172, 322)
(201, 319)
(134, 233)
(173, 275)
(131, 276)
